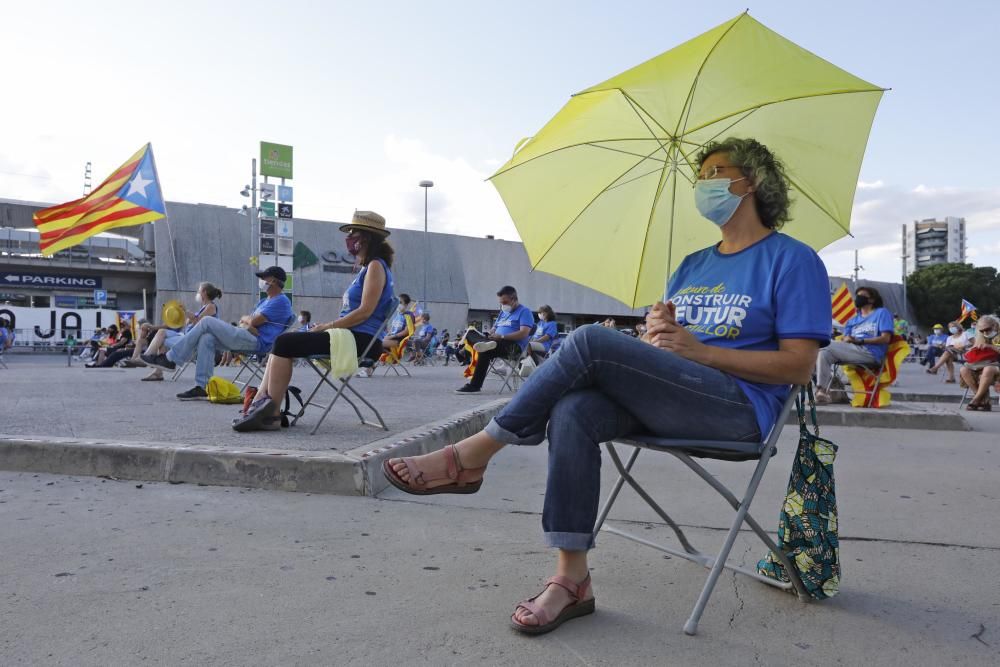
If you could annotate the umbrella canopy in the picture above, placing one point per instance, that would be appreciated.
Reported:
(602, 195)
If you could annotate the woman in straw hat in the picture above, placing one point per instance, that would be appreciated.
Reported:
(165, 338)
(362, 313)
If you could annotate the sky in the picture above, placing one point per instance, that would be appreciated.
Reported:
(378, 96)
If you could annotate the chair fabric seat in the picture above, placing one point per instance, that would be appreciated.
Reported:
(725, 450)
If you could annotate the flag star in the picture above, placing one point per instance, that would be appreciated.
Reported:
(138, 184)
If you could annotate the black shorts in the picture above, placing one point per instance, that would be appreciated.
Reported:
(311, 343)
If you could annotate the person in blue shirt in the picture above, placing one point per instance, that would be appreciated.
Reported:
(865, 341)
(744, 321)
(423, 335)
(363, 311)
(399, 329)
(509, 336)
(254, 335)
(935, 346)
(164, 338)
(545, 334)
(5, 339)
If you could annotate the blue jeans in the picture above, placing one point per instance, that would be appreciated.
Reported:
(602, 385)
(206, 337)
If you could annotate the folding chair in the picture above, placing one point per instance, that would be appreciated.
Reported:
(3, 364)
(725, 451)
(393, 359)
(321, 364)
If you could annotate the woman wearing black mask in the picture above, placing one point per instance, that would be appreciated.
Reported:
(865, 341)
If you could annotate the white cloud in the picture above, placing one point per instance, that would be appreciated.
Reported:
(462, 201)
(874, 185)
(880, 212)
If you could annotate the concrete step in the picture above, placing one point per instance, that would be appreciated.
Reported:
(916, 416)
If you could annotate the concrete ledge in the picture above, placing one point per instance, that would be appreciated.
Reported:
(895, 416)
(355, 472)
(423, 439)
(933, 398)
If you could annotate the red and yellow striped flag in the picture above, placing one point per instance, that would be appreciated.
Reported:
(129, 196)
(843, 305)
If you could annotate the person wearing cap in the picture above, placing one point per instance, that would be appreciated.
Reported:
(935, 346)
(255, 334)
(363, 312)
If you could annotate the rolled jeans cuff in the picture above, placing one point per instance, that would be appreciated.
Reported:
(570, 541)
(501, 434)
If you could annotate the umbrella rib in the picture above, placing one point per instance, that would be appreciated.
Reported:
(649, 225)
(632, 180)
(805, 194)
(584, 210)
(618, 150)
(784, 99)
(577, 145)
(684, 117)
(635, 105)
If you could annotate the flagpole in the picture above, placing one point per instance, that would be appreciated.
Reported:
(166, 219)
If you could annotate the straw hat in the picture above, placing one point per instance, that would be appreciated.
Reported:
(367, 220)
(173, 314)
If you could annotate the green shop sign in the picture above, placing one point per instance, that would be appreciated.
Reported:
(275, 160)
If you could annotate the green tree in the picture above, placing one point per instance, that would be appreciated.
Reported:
(936, 292)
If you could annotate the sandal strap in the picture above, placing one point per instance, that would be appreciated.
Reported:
(576, 591)
(538, 612)
(418, 478)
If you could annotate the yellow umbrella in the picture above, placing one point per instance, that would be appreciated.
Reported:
(602, 195)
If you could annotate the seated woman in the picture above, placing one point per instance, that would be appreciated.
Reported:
(164, 338)
(399, 328)
(865, 342)
(716, 368)
(545, 333)
(117, 342)
(982, 363)
(954, 347)
(363, 312)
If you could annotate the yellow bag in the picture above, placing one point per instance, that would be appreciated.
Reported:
(221, 390)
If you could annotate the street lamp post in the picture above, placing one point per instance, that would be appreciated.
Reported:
(251, 191)
(426, 185)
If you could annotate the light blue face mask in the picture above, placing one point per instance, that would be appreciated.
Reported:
(714, 200)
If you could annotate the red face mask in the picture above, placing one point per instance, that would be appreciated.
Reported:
(353, 245)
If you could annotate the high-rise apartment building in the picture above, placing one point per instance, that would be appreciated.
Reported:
(928, 242)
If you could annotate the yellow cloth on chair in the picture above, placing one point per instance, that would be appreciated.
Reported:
(343, 353)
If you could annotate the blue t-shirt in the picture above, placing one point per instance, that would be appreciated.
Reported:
(874, 324)
(425, 331)
(352, 300)
(749, 300)
(189, 326)
(3, 337)
(398, 324)
(546, 328)
(508, 323)
(278, 311)
(937, 340)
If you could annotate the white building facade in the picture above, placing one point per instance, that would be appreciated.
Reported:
(930, 241)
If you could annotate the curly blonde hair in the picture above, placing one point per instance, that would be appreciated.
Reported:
(764, 170)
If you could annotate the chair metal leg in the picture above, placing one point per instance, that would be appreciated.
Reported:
(691, 627)
(606, 509)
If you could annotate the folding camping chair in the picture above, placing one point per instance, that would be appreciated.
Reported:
(508, 367)
(321, 364)
(3, 364)
(393, 359)
(725, 451)
(255, 363)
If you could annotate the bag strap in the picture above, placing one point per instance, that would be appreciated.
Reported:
(806, 394)
(287, 411)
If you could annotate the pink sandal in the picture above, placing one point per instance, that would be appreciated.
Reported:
(578, 607)
(463, 480)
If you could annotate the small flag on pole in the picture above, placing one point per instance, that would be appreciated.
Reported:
(843, 305)
(129, 196)
(967, 310)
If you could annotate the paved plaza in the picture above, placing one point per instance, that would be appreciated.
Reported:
(108, 571)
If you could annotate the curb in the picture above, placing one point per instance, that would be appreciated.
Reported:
(890, 417)
(934, 398)
(355, 472)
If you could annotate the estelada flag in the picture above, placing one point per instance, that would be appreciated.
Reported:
(843, 305)
(968, 309)
(129, 196)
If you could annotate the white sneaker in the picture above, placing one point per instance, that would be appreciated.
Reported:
(485, 346)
